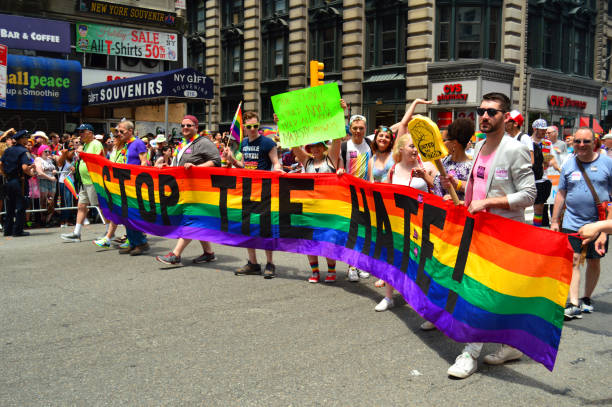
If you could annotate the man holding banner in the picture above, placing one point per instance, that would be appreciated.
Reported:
(501, 182)
(258, 153)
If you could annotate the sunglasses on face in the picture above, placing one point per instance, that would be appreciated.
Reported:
(122, 131)
(251, 126)
(582, 141)
(490, 111)
(187, 125)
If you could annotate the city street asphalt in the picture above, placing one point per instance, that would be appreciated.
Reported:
(85, 326)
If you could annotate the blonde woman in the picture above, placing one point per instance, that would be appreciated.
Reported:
(410, 171)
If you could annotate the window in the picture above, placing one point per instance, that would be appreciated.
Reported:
(274, 56)
(232, 13)
(196, 16)
(228, 109)
(271, 7)
(561, 37)
(326, 34)
(232, 63)
(386, 35)
(468, 29)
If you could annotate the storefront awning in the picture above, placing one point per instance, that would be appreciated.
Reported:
(37, 83)
(584, 122)
(175, 86)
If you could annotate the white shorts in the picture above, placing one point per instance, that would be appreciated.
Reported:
(88, 195)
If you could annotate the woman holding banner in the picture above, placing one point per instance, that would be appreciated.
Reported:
(410, 171)
(316, 159)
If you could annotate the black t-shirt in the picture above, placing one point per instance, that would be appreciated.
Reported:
(13, 159)
(538, 161)
(256, 154)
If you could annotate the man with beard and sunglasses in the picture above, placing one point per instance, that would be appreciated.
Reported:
(192, 151)
(501, 182)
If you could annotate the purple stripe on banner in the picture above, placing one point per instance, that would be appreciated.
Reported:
(454, 329)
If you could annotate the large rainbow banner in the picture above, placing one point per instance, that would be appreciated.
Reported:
(479, 278)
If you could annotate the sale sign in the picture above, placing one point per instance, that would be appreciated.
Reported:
(3, 52)
(126, 42)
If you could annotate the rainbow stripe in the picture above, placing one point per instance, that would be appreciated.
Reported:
(479, 278)
(236, 127)
(69, 183)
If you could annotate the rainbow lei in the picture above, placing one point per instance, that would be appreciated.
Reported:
(183, 143)
(123, 151)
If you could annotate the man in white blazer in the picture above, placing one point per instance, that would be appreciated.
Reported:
(501, 182)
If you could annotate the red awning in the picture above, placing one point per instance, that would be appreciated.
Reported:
(584, 122)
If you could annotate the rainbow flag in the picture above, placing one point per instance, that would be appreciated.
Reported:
(478, 278)
(236, 127)
(268, 131)
(69, 183)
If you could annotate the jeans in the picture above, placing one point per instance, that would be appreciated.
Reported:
(136, 237)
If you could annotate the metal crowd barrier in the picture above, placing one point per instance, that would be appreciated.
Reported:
(35, 207)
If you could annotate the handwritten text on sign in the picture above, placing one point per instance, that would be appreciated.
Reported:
(309, 115)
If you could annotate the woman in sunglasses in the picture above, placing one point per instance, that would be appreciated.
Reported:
(66, 166)
(45, 168)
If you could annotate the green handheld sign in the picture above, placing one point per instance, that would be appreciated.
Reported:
(309, 115)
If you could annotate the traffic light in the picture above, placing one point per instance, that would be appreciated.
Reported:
(316, 73)
(562, 121)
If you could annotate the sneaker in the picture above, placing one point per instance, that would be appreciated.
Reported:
(120, 240)
(330, 278)
(140, 249)
(427, 326)
(63, 225)
(205, 258)
(169, 258)
(314, 278)
(464, 366)
(505, 353)
(586, 305)
(248, 268)
(103, 242)
(363, 274)
(353, 276)
(270, 271)
(380, 283)
(125, 245)
(86, 221)
(71, 237)
(572, 312)
(385, 304)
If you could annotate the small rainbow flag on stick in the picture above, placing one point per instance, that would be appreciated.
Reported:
(69, 183)
(236, 127)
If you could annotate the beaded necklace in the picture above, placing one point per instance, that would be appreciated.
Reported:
(183, 143)
(123, 151)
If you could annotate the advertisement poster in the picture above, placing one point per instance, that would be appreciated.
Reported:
(126, 42)
(3, 52)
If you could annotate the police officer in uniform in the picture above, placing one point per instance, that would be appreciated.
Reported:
(16, 166)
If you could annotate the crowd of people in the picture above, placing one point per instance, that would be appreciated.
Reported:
(504, 173)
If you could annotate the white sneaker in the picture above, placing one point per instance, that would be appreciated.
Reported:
(504, 354)
(427, 326)
(71, 237)
(353, 276)
(363, 274)
(86, 221)
(464, 366)
(385, 304)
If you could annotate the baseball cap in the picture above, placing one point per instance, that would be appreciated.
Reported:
(517, 117)
(607, 137)
(85, 126)
(540, 124)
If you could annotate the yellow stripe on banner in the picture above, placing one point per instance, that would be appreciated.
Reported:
(517, 285)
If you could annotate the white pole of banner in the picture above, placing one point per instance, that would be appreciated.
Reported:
(166, 117)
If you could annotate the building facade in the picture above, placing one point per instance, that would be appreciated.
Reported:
(385, 53)
(110, 40)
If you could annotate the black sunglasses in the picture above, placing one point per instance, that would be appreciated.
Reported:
(582, 141)
(490, 111)
(251, 126)
(187, 125)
